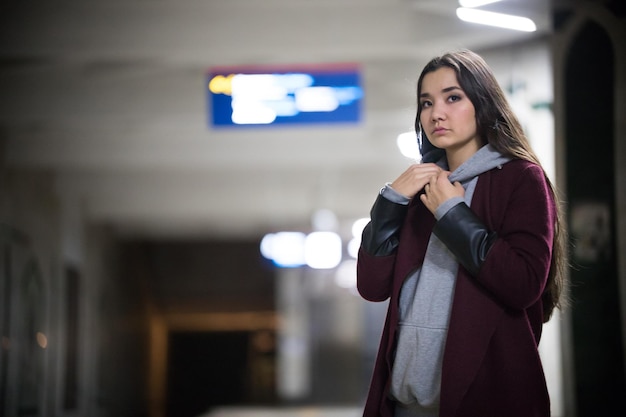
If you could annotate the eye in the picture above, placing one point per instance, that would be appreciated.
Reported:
(426, 103)
(454, 98)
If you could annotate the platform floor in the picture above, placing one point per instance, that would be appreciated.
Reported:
(285, 412)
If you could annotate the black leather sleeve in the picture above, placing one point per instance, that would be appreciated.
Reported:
(466, 236)
(380, 236)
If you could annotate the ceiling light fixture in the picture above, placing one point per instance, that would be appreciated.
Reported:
(476, 3)
(501, 20)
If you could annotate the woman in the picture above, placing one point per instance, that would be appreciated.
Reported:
(467, 245)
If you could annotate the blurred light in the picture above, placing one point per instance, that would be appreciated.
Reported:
(358, 226)
(316, 99)
(258, 87)
(274, 95)
(407, 143)
(266, 245)
(250, 112)
(42, 340)
(357, 231)
(496, 19)
(285, 249)
(322, 250)
(347, 95)
(345, 277)
(221, 84)
(476, 3)
(353, 247)
(324, 220)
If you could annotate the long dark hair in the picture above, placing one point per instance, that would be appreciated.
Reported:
(497, 125)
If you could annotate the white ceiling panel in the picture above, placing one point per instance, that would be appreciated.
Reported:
(111, 96)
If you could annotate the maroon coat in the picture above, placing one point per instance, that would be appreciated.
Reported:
(491, 365)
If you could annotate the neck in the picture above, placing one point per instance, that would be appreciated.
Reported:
(456, 159)
(457, 156)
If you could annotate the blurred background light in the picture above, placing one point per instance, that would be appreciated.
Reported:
(324, 220)
(353, 247)
(42, 340)
(476, 3)
(250, 112)
(285, 249)
(407, 143)
(345, 277)
(357, 231)
(358, 226)
(262, 95)
(323, 250)
(316, 99)
(501, 20)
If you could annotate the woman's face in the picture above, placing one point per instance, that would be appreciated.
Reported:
(448, 116)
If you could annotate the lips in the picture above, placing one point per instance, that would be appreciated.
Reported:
(439, 130)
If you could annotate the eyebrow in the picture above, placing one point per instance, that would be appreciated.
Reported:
(445, 90)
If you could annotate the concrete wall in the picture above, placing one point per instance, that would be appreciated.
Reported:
(64, 353)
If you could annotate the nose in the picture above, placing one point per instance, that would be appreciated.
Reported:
(437, 112)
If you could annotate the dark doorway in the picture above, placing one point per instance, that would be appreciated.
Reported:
(206, 369)
(596, 329)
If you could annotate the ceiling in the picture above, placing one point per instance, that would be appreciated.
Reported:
(110, 98)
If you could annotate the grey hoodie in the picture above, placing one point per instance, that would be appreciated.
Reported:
(425, 304)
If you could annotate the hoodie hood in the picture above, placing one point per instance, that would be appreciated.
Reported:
(485, 159)
(429, 152)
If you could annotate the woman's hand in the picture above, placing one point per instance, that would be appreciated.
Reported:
(411, 181)
(439, 189)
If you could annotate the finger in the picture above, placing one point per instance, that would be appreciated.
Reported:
(459, 186)
(443, 174)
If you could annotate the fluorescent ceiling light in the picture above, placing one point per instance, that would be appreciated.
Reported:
(496, 19)
(476, 3)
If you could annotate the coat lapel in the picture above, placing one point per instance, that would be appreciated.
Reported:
(473, 321)
(474, 318)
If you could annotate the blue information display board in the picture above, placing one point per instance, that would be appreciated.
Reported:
(269, 96)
